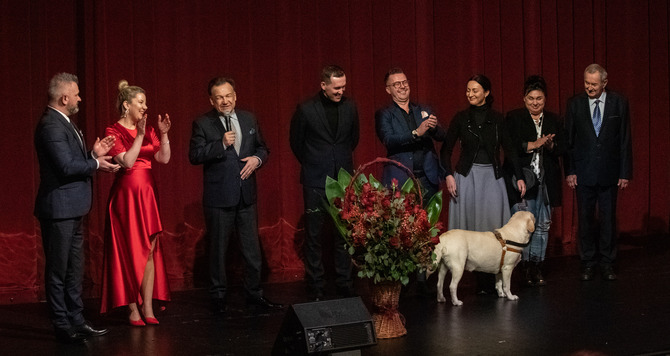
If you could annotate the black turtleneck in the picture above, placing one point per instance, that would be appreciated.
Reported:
(332, 112)
(479, 117)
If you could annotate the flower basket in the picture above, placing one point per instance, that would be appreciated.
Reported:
(388, 233)
(388, 321)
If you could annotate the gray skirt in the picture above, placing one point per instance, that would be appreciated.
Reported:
(481, 204)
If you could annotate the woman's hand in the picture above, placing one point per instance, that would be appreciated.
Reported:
(521, 185)
(164, 124)
(141, 125)
(451, 186)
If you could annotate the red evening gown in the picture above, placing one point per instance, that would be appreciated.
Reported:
(133, 223)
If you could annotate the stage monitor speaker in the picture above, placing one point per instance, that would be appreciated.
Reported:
(324, 327)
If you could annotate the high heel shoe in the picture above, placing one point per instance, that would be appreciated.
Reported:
(151, 321)
(138, 322)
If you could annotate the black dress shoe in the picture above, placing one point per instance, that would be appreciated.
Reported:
(587, 274)
(70, 336)
(87, 330)
(218, 306)
(608, 274)
(263, 302)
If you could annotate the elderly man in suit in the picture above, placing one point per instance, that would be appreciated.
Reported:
(63, 198)
(324, 133)
(229, 145)
(598, 163)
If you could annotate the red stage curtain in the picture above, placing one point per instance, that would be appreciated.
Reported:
(274, 50)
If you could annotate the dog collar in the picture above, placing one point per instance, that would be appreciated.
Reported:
(505, 248)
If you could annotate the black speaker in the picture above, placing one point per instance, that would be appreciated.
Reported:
(325, 327)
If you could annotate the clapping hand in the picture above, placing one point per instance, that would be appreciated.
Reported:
(101, 147)
(164, 124)
(141, 125)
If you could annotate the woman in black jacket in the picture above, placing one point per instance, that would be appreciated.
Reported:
(537, 144)
(476, 185)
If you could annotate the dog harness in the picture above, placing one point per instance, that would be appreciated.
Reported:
(505, 248)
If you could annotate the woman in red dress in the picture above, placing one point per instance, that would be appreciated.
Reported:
(134, 271)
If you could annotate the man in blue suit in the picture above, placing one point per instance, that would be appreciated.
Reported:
(229, 145)
(407, 130)
(63, 198)
(598, 163)
(324, 133)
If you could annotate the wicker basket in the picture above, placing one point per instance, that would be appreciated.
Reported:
(388, 321)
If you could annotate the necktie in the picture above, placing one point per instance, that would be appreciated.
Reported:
(77, 133)
(597, 119)
(238, 138)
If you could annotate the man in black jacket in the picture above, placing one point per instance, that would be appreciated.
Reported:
(598, 163)
(324, 134)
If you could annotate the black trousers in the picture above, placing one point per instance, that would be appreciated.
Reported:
(63, 242)
(221, 225)
(319, 226)
(597, 242)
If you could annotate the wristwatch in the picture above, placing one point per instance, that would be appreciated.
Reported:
(415, 134)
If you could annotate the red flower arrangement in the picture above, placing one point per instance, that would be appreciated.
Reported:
(386, 229)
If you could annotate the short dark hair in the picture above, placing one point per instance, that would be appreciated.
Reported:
(331, 71)
(534, 82)
(215, 82)
(486, 85)
(394, 70)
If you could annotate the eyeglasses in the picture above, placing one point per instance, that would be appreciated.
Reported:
(399, 84)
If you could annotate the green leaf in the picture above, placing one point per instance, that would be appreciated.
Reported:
(408, 186)
(404, 280)
(374, 182)
(434, 208)
(344, 178)
(333, 190)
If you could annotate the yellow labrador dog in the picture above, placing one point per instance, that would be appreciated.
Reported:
(460, 250)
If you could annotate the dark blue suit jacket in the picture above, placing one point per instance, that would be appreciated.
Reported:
(66, 169)
(322, 153)
(222, 185)
(603, 159)
(396, 135)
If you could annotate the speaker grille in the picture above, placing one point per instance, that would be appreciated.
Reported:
(352, 335)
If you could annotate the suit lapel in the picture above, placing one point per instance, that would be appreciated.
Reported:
(70, 128)
(216, 122)
(244, 130)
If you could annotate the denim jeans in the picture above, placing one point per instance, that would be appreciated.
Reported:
(540, 207)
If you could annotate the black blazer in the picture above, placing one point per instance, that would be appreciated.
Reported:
(222, 185)
(396, 135)
(603, 159)
(521, 130)
(322, 153)
(463, 129)
(66, 169)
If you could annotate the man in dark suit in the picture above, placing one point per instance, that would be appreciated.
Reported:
(407, 130)
(324, 134)
(598, 163)
(63, 198)
(229, 145)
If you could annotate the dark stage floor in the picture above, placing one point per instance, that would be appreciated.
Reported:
(630, 316)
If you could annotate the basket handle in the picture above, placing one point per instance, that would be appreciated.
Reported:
(384, 160)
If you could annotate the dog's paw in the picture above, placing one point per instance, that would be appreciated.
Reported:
(457, 303)
(441, 299)
(512, 297)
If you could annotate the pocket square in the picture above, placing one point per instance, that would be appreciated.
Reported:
(252, 131)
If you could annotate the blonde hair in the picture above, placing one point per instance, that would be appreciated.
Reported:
(126, 93)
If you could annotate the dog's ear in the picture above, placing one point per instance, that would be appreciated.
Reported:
(530, 222)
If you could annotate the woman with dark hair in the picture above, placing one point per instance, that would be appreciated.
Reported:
(134, 271)
(536, 145)
(476, 185)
